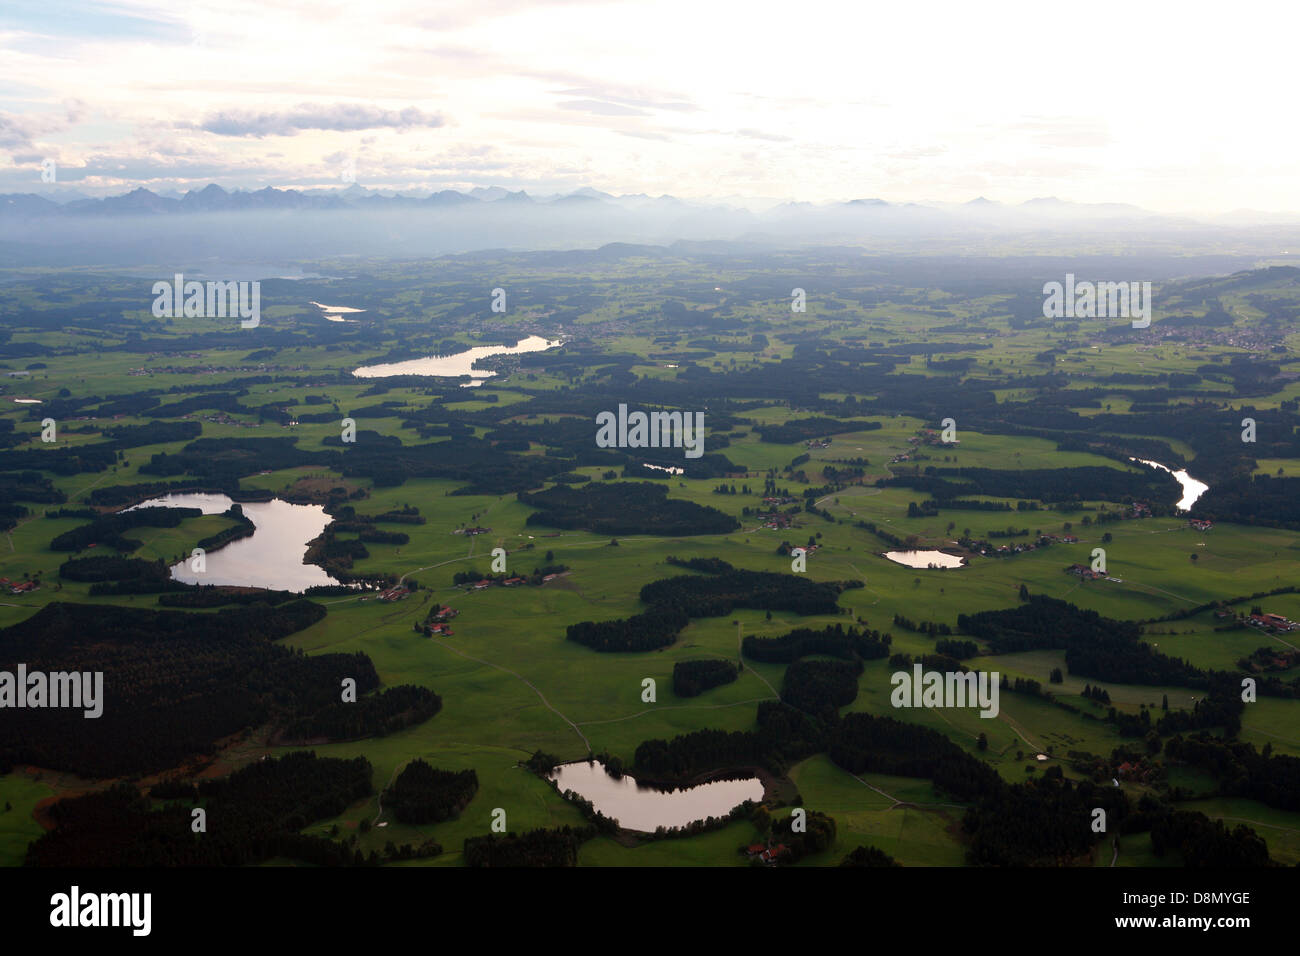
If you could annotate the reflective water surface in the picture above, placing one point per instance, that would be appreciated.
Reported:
(637, 807)
(270, 558)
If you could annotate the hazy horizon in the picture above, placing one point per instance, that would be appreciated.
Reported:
(635, 98)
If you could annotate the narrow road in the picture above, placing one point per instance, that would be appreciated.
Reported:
(576, 729)
(654, 710)
(1016, 728)
(871, 786)
(1267, 734)
(741, 654)
(906, 803)
(938, 712)
(1257, 823)
(379, 797)
(430, 567)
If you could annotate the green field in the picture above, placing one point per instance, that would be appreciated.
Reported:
(512, 684)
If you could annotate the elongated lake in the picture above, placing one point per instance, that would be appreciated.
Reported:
(1192, 489)
(459, 363)
(925, 559)
(269, 558)
(643, 808)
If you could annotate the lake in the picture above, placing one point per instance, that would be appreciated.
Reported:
(924, 559)
(643, 808)
(269, 558)
(335, 308)
(1192, 489)
(459, 363)
(334, 313)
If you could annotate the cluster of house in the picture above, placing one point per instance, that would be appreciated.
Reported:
(503, 582)
(220, 418)
(510, 582)
(390, 594)
(766, 854)
(1133, 771)
(775, 500)
(1200, 524)
(1085, 572)
(471, 531)
(213, 369)
(19, 587)
(1271, 622)
(776, 520)
(929, 436)
(437, 623)
(1005, 549)
(817, 443)
(985, 548)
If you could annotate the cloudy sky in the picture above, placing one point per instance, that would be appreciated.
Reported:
(1169, 106)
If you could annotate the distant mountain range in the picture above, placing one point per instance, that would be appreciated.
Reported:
(216, 226)
(213, 198)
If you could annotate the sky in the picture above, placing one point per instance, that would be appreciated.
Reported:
(1174, 107)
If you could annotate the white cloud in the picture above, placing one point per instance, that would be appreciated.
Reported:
(820, 101)
(338, 117)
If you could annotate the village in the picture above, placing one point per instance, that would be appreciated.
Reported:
(927, 436)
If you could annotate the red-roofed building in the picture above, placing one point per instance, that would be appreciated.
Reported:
(772, 854)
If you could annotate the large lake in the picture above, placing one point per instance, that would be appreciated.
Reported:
(269, 558)
(637, 807)
(459, 363)
(1192, 489)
